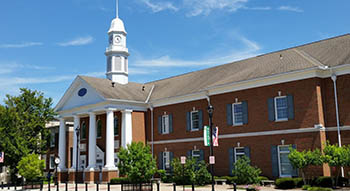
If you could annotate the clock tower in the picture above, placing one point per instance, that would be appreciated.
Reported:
(117, 53)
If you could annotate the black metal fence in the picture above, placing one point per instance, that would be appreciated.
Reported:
(137, 187)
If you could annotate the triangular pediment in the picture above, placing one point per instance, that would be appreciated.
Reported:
(79, 94)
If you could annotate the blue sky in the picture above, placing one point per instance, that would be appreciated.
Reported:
(45, 44)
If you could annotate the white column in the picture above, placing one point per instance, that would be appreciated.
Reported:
(92, 141)
(110, 140)
(62, 144)
(126, 128)
(76, 124)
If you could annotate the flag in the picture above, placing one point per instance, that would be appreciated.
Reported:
(1, 157)
(216, 137)
(206, 136)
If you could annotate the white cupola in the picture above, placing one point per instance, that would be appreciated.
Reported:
(117, 53)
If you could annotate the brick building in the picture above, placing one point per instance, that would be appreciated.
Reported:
(261, 106)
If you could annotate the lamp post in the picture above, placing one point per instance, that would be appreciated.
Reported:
(210, 112)
(77, 131)
(57, 162)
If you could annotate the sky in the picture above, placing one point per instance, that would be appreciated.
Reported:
(45, 44)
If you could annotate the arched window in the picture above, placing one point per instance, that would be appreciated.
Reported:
(116, 126)
(83, 130)
(99, 128)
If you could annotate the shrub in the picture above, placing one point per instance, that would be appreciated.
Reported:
(193, 171)
(323, 181)
(285, 183)
(245, 173)
(319, 189)
(262, 178)
(31, 167)
(137, 163)
(119, 180)
(305, 187)
(298, 182)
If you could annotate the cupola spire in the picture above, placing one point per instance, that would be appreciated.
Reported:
(117, 53)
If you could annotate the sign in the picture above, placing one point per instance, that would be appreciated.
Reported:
(216, 137)
(212, 160)
(1, 157)
(206, 136)
(183, 160)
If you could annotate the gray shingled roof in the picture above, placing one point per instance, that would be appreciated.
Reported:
(331, 52)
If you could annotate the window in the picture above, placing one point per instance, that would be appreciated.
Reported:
(196, 154)
(83, 130)
(237, 110)
(281, 108)
(53, 139)
(116, 144)
(116, 126)
(52, 161)
(166, 160)
(165, 124)
(194, 120)
(99, 128)
(239, 153)
(82, 161)
(285, 167)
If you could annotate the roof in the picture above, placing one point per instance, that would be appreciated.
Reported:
(330, 52)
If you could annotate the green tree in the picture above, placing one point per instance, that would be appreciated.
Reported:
(336, 157)
(192, 171)
(137, 163)
(302, 159)
(22, 126)
(245, 173)
(31, 167)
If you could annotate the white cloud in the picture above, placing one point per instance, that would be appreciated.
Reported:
(289, 8)
(21, 45)
(205, 7)
(267, 8)
(250, 49)
(78, 41)
(15, 81)
(8, 67)
(159, 6)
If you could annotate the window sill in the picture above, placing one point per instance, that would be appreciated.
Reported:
(281, 120)
(98, 137)
(286, 176)
(237, 124)
(192, 130)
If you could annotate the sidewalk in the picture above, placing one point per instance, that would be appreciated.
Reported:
(163, 187)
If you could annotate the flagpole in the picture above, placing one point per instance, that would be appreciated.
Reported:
(210, 111)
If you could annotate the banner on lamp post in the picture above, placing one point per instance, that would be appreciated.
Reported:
(206, 136)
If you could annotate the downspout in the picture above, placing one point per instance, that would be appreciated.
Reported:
(151, 108)
(334, 78)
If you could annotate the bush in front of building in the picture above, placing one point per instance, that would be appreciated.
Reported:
(299, 182)
(119, 180)
(136, 163)
(285, 183)
(323, 181)
(31, 167)
(192, 172)
(245, 173)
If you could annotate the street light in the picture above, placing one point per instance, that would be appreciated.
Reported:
(57, 162)
(77, 131)
(210, 112)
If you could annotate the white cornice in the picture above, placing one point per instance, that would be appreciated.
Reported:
(252, 134)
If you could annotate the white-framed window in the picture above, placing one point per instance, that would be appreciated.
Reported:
(98, 128)
(196, 154)
(281, 108)
(52, 161)
(165, 124)
(239, 153)
(285, 167)
(53, 139)
(116, 126)
(116, 144)
(166, 160)
(82, 147)
(83, 130)
(237, 113)
(194, 120)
